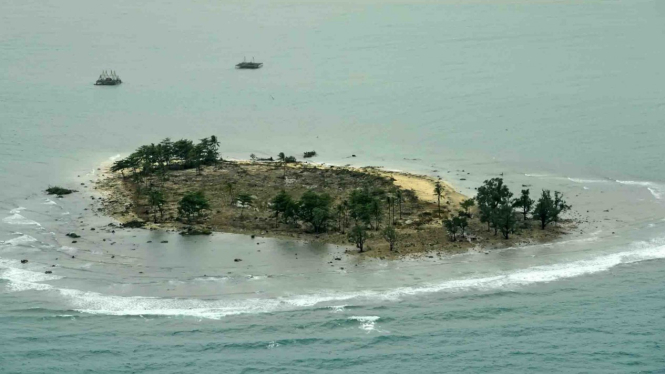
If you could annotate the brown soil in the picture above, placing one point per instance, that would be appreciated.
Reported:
(419, 229)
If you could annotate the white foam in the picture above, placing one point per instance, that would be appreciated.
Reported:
(68, 250)
(21, 240)
(16, 210)
(50, 202)
(113, 158)
(577, 180)
(211, 279)
(655, 189)
(367, 323)
(96, 303)
(337, 308)
(24, 280)
(17, 219)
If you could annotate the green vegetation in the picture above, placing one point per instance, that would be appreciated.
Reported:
(358, 236)
(390, 235)
(438, 192)
(60, 191)
(244, 200)
(156, 201)
(335, 204)
(524, 202)
(192, 205)
(167, 155)
(548, 210)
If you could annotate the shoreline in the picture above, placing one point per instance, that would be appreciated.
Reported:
(425, 237)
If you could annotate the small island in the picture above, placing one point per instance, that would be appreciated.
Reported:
(186, 186)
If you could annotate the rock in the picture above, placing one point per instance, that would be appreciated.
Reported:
(92, 229)
(149, 241)
(112, 256)
(338, 259)
(253, 236)
(237, 260)
(134, 224)
(48, 272)
(73, 256)
(24, 261)
(164, 241)
(74, 242)
(196, 231)
(73, 235)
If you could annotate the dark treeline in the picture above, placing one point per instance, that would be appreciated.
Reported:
(169, 155)
(497, 208)
(373, 206)
(366, 208)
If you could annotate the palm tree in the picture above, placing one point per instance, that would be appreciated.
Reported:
(399, 197)
(438, 192)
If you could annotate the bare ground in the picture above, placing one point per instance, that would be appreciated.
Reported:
(419, 228)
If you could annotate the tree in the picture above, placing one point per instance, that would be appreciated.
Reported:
(490, 195)
(192, 205)
(462, 221)
(400, 198)
(451, 227)
(360, 202)
(357, 235)
(342, 210)
(524, 202)
(438, 192)
(156, 200)
(376, 211)
(166, 152)
(280, 204)
(120, 166)
(560, 206)
(245, 200)
(466, 205)
(505, 219)
(197, 156)
(547, 210)
(390, 235)
(181, 151)
(315, 209)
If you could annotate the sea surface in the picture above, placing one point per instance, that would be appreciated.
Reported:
(561, 94)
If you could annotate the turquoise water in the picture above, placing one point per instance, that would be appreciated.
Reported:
(559, 94)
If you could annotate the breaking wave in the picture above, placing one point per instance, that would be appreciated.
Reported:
(17, 219)
(655, 189)
(97, 303)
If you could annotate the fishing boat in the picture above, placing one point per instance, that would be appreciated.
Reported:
(108, 79)
(249, 65)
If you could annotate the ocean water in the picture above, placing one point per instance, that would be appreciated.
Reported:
(566, 95)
